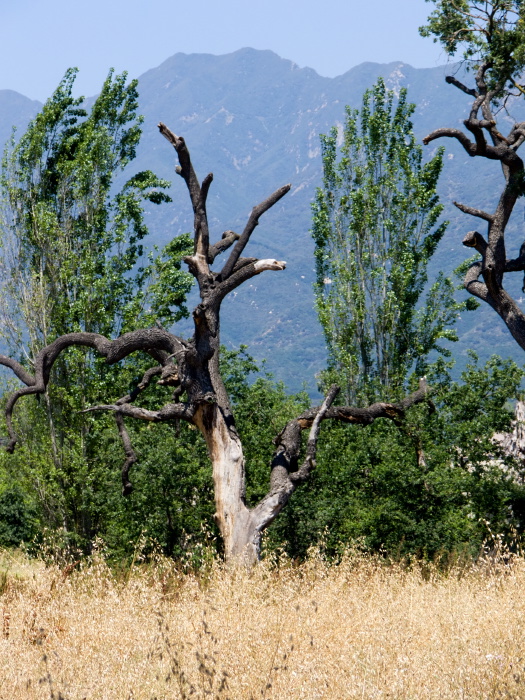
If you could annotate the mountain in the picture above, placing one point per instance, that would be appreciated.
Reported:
(254, 119)
(15, 111)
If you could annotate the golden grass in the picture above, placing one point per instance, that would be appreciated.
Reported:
(360, 629)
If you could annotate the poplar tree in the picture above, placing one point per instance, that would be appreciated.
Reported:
(376, 226)
(72, 241)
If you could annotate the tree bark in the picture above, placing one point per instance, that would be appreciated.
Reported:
(225, 451)
(484, 278)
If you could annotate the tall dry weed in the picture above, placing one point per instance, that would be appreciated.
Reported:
(358, 629)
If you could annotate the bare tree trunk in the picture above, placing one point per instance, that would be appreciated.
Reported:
(232, 516)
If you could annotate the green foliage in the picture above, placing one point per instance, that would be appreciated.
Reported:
(491, 32)
(375, 227)
(168, 285)
(433, 487)
(172, 502)
(72, 244)
(16, 518)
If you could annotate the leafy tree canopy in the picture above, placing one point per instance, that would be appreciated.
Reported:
(376, 226)
(485, 32)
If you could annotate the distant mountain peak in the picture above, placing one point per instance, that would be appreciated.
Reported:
(254, 119)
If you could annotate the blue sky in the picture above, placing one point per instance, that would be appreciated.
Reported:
(39, 40)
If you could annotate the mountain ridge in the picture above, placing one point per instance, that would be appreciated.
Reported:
(254, 119)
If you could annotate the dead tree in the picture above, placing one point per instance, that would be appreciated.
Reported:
(484, 278)
(200, 397)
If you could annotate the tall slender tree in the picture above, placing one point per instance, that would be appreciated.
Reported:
(71, 244)
(375, 227)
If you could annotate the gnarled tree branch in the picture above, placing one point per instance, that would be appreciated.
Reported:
(157, 342)
(285, 473)
(228, 239)
(255, 215)
(474, 212)
(484, 278)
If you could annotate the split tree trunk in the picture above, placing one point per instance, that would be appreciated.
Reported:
(235, 521)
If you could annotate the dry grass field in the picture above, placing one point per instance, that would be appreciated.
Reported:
(360, 629)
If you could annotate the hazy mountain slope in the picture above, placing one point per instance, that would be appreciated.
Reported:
(254, 119)
(15, 110)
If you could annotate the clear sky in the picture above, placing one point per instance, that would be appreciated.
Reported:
(41, 38)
